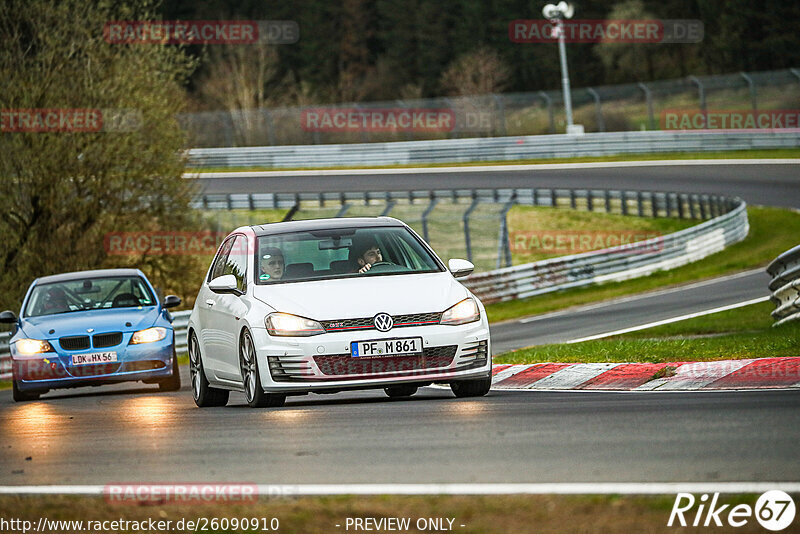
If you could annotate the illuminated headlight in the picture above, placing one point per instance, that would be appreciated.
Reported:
(465, 311)
(28, 347)
(284, 324)
(149, 335)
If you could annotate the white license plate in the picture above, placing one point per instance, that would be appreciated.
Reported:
(379, 348)
(94, 357)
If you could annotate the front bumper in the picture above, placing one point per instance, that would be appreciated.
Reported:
(323, 363)
(53, 370)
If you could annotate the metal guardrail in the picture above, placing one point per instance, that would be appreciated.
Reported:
(785, 286)
(5, 356)
(614, 264)
(727, 224)
(489, 149)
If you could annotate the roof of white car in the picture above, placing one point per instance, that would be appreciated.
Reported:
(324, 224)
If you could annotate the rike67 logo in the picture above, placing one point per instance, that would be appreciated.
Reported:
(774, 510)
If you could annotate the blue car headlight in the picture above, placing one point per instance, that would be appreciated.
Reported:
(149, 335)
(29, 347)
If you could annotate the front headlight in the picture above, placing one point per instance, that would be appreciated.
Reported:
(464, 312)
(29, 347)
(284, 324)
(149, 335)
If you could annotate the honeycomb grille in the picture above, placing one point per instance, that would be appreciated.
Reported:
(346, 365)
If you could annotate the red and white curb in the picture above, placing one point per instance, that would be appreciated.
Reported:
(726, 374)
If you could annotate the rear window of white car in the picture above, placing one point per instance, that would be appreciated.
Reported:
(334, 253)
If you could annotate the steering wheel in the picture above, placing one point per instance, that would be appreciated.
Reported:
(387, 266)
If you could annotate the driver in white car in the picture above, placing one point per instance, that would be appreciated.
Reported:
(367, 254)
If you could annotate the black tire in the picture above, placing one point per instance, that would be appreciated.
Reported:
(251, 377)
(173, 383)
(22, 396)
(471, 388)
(404, 390)
(204, 395)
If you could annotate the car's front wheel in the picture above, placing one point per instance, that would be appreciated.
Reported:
(173, 383)
(204, 395)
(22, 396)
(471, 388)
(251, 378)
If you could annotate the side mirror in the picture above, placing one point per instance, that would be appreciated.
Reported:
(171, 301)
(224, 284)
(460, 268)
(8, 316)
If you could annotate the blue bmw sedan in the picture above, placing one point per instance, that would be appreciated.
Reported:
(91, 328)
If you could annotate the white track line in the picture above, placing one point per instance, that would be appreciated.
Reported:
(671, 320)
(579, 488)
(491, 168)
(640, 296)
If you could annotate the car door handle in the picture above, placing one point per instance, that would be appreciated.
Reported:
(210, 302)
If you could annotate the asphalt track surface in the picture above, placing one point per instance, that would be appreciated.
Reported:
(584, 321)
(130, 433)
(767, 184)
(135, 434)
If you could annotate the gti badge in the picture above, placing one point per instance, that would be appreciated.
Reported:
(383, 322)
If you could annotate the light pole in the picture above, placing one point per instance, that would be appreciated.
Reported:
(556, 13)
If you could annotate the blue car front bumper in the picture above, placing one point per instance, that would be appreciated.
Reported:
(53, 370)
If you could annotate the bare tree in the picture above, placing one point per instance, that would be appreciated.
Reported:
(479, 72)
(63, 191)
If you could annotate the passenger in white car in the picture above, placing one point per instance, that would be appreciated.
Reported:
(272, 264)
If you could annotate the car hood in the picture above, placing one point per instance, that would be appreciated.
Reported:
(366, 296)
(76, 323)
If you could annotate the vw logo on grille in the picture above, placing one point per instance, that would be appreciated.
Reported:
(383, 322)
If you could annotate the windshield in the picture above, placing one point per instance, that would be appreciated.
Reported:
(88, 294)
(341, 253)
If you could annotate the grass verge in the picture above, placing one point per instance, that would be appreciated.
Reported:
(761, 246)
(730, 335)
(734, 154)
(310, 515)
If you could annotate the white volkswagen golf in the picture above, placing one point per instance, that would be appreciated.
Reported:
(322, 306)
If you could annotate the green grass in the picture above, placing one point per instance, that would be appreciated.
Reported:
(745, 332)
(529, 226)
(772, 231)
(734, 154)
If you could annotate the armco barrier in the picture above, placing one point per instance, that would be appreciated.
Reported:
(727, 224)
(490, 149)
(785, 286)
(614, 264)
(5, 357)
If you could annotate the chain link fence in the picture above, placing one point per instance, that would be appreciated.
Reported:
(611, 108)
